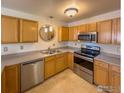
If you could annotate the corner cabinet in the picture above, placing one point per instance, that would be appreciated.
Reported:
(11, 79)
(28, 31)
(17, 30)
(9, 29)
(63, 33)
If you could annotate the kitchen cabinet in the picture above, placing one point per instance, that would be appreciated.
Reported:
(9, 29)
(55, 64)
(49, 66)
(114, 77)
(11, 79)
(16, 30)
(28, 31)
(73, 33)
(104, 31)
(70, 60)
(101, 73)
(61, 62)
(63, 33)
(116, 33)
(92, 27)
(82, 28)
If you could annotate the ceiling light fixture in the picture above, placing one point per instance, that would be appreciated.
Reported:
(71, 12)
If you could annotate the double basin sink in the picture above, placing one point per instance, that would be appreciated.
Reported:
(51, 51)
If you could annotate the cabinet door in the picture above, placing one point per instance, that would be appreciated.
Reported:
(70, 60)
(9, 29)
(114, 78)
(83, 28)
(100, 75)
(28, 31)
(12, 79)
(73, 33)
(92, 27)
(116, 37)
(104, 32)
(49, 68)
(64, 34)
(60, 64)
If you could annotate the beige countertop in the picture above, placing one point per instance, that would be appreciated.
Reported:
(109, 58)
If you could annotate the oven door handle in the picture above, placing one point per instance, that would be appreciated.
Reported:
(83, 57)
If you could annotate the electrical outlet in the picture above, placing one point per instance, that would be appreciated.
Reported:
(21, 47)
(5, 49)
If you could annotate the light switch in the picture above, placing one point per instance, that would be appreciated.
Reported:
(21, 47)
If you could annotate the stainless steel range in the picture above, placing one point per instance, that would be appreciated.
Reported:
(83, 62)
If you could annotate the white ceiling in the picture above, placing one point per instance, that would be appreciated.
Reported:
(55, 8)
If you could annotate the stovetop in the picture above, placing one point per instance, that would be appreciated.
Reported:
(88, 52)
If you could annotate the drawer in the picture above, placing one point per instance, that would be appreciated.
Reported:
(50, 58)
(115, 68)
(102, 64)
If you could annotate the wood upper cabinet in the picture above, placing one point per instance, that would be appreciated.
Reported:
(82, 28)
(101, 73)
(49, 66)
(70, 60)
(9, 29)
(28, 31)
(72, 33)
(114, 77)
(104, 31)
(11, 79)
(92, 27)
(63, 33)
(116, 37)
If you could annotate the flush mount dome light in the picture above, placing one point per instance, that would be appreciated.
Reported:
(71, 12)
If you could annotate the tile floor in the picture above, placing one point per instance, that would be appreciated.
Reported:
(64, 82)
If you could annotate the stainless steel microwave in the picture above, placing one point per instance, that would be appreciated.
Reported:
(88, 37)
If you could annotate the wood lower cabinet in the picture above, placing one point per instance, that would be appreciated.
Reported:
(9, 29)
(114, 78)
(49, 66)
(101, 73)
(63, 33)
(116, 33)
(104, 31)
(70, 60)
(11, 79)
(28, 31)
(55, 64)
(61, 62)
(107, 75)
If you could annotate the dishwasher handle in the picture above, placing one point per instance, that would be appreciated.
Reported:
(32, 62)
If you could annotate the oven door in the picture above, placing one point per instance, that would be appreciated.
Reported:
(85, 63)
(83, 67)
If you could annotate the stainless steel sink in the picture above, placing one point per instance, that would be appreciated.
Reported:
(52, 51)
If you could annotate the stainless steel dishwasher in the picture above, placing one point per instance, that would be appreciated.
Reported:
(32, 73)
